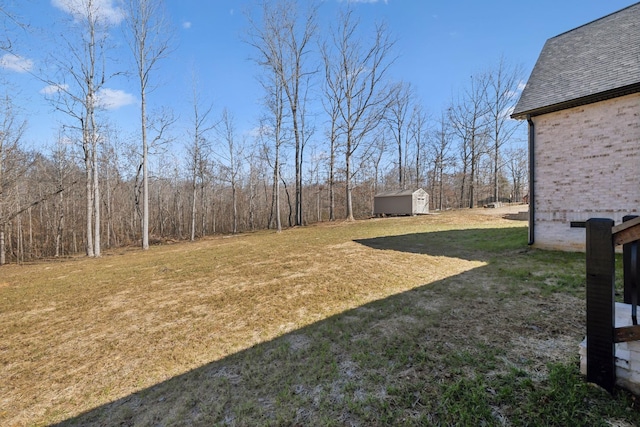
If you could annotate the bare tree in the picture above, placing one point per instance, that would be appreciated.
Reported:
(356, 81)
(418, 133)
(76, 92)
(397, 121)
(441, 157)
(199, 149)
(517, 165)
(148, 36)
(379, 150)
(159, 122)
(468, 121)
(273, 128)
(317, 159)
(231, 165)
(502, 90)
(257, 175)
(7, 142)
(109, 167)
(331, 103)
(306, 131)
(282, 37)
(13, 165)
(61, 162)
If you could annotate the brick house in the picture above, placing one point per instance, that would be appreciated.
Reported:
(582, 104)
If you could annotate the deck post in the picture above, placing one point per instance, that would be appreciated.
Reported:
(630, 261)
(600, 303)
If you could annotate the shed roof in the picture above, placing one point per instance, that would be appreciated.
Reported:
(599, 60)
(396, 193)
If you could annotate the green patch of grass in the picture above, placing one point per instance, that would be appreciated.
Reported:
(465, 402)
(496, 240)
(565, 399)
(552, 272)
(545, 272)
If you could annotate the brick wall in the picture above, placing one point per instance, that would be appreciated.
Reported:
(587, 162)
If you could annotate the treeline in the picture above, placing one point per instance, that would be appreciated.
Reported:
(336, 130)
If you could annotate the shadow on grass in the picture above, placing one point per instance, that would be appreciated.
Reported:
(338, 371)
(472, 244)
(400, 360)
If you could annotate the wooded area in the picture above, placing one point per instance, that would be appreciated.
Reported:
(335, 130)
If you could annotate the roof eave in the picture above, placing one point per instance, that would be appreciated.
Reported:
(577, 102)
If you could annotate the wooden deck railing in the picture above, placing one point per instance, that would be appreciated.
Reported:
(602, 333)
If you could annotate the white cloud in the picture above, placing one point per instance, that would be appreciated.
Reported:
(186, 25)
(16, 63)
(51, 89)
(508, 112)
(516, 93)
(106, 9)
(259, 131)
(112, 99)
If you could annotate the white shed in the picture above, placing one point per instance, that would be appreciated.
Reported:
(401, 202)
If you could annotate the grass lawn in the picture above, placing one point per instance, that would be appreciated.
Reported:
(435, 320)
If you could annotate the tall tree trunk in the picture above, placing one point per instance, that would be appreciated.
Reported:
(318, 203)
(60, 230)
(276, 189)
(472, 176)
(401, 178)
(332, 197)
(108, 206)
(145, 172)
(193, 209)
(418, 165)
(96, 202)
(291, 207)
(89, 201)
(30, 247)
(19, 240)
(296, 132)
(349, 214)
(2, 247)
(251, 202)
(462, 185)
(234, 203)
(441, 185)
(203, 209)
(495, 168)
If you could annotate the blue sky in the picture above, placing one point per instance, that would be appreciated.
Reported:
(440, 44)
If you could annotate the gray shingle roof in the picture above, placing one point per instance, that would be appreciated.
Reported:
(396, 193)
(598, 58)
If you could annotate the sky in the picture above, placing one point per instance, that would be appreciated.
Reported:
(440, 45)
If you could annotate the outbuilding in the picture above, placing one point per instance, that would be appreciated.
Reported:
(401, 202)
(582, 105)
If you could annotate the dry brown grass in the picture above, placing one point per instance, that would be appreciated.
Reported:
(83, 332)
(78, 334)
